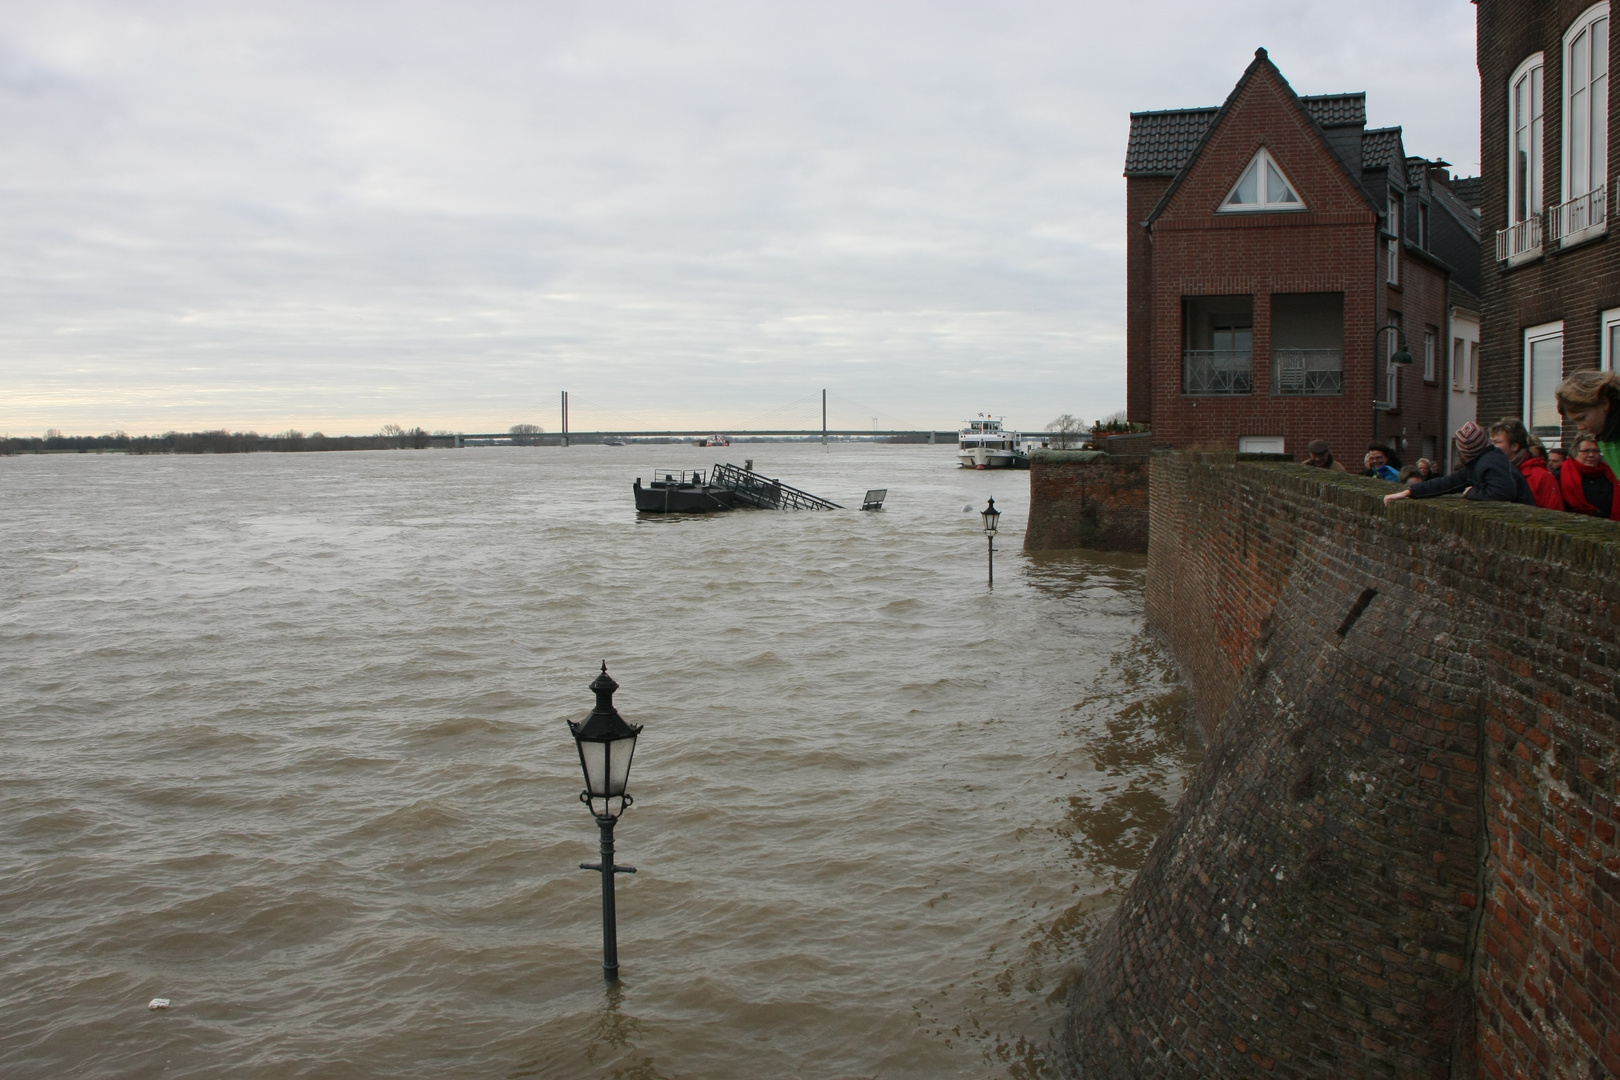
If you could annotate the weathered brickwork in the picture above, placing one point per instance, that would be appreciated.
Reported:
(1087, 500)
(1398, 857)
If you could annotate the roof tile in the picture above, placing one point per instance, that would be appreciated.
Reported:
(1161, 142)
(1380, 148)
(1332, 110)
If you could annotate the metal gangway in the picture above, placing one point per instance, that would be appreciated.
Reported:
(756, 490)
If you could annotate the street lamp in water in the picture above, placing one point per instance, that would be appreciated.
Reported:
(991, 516)
(606, 745)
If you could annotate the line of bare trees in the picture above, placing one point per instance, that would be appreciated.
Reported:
(391, 437)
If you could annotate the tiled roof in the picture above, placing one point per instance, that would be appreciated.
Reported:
(1331, 110)
(1379, 147)
(1161, 142)
(1466, 188)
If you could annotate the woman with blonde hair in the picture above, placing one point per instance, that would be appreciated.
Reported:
(1591, 401)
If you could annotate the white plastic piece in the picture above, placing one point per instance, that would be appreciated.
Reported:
(158, 1003)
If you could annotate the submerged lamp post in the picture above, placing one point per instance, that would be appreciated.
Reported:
(606, 745)
(991, 516)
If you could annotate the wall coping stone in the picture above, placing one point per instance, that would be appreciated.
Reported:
(1054, 457)
(1553, 535)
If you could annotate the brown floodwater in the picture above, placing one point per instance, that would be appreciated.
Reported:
(284, 743)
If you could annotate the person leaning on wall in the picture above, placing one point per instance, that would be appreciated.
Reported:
(1509, 436)
(1591, 401)
(1377, 464)
(1322, 456)
(1588, 482)
(1485, 474)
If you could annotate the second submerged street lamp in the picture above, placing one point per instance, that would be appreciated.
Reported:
(606, 745)
(991, 516)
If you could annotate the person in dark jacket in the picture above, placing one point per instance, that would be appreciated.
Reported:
(1589, 484)
(1512, 439)
(1555, 460)
(1485, 475)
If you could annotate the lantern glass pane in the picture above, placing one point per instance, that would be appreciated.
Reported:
(594, 757)
(619, 764)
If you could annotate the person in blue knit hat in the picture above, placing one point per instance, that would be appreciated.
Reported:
(1485, 475)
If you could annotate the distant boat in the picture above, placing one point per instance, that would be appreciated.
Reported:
(985, 443)
(613, 440)
(716, 440)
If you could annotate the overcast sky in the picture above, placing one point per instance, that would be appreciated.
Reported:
(342, 214)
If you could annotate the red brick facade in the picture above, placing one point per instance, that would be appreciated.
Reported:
(1181, 246)
(1574, 284)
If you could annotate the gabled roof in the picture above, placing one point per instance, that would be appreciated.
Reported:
(1466, 188)
(1465, 215)
(1164, 140)
(1338, 105)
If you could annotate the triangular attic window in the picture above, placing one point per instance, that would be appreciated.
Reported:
(1261, 187)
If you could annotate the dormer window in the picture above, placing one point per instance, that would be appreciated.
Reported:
(1261, 187)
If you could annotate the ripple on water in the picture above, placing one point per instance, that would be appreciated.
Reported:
(285, 745)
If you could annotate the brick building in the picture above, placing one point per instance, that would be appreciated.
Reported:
(1280, 258)
(1551, 294)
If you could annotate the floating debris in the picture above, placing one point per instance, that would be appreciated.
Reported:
(158, 1003)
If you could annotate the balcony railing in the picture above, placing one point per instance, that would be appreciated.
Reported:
(1218, 371)
(1307, 371)
(1582, 216)
(1518, 240)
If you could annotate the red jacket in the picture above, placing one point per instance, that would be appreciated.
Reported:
(1543, 484)
(1575, 500)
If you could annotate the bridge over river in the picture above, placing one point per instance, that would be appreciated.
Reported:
(565, 437)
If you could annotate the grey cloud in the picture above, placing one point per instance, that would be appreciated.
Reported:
(338, 215)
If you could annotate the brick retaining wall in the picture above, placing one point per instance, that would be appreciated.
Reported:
(1086, 499)
(1398, 857)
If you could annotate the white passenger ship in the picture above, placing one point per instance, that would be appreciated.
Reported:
(986, 443)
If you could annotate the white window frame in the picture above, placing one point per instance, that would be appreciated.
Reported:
(1572, 185)
(1261, 160)
(1391, 334)
(1473, 367)
(1536, 124)
(1459, 364)
(1533, 334)
(1430, 337)
(1609, 342)
(1392, 270)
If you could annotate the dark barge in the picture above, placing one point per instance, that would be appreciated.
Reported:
(682, 492)
(727, 487)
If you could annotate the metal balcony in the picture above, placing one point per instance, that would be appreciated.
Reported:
(1218, 371)
(1517, 243)
(1581, 218)
(1307, 372)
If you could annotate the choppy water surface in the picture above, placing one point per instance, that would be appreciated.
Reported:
(284, 743)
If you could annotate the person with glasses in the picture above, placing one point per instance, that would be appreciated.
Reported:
(1588, 482)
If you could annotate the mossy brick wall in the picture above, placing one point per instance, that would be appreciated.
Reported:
(1082, 499)
(1398, 857)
